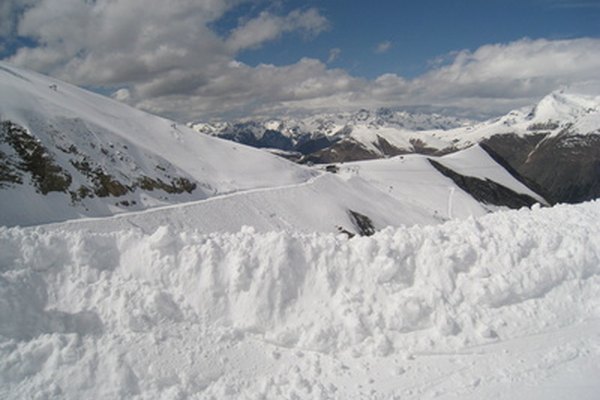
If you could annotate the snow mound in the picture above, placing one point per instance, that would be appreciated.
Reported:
(179, 314)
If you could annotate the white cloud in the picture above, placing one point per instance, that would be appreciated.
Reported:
(268, 27)
(167, 59)
(334, 54)
(9, 11)
(516, 72)
(383, 47)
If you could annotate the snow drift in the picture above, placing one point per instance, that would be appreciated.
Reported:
(179, 314)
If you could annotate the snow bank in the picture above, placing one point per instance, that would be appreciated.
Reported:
(127, 313)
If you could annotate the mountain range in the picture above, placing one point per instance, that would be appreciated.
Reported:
(553, 146)
(68, 154)
(142, 259)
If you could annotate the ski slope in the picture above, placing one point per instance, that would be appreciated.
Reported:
(401, 191)
(413, 179)
(321, 204)
(105, 146)
(505, 306)
(78, 127)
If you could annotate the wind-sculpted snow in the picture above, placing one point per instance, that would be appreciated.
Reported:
(181, 314)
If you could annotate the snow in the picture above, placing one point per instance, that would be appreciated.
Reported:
(412, 179)
(573, 113)
(319, 205)
(236, 185)
(497, 307)
(124, 142)
(240, 290)
(476, 162)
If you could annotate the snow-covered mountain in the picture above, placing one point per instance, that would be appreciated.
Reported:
(559, 113)
(205, 273)
(68, 153)
(377, 131)
(554, 145)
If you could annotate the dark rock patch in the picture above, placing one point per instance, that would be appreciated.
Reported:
(564, 168)
(486, 191)
(362, 223)
(34, 158)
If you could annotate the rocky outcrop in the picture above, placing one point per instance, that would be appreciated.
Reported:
(24, 158)
(564, 168)
(486, 191)
(27, 156)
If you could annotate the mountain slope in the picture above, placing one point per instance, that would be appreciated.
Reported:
(70, 154)
(553, 147)
(337, 137)
(414, 179)
(67, 153)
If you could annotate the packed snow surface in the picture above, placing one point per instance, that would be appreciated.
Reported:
(505, 306)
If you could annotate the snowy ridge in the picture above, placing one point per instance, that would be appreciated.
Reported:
(558, 112)
(401, 191)
(289, 208)
(307, 134)
(108, 158)
(332, 124)
(412, 178)
(180, 314)
(72, 154)
(385, 132)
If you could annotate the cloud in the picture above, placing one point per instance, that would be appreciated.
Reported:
(167, 58)
(265, 89)
(268, 27)
(333, 55)
(523, 69)
(9, 12)
(383, 47)
(120, 42)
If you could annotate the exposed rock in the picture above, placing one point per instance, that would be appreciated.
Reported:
(362, 223)
(564, 168)
(33, 158)
(25, 155)
(486, 191)
(177, 185)
(345, 150)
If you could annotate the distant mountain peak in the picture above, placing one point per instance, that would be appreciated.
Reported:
(561, 105)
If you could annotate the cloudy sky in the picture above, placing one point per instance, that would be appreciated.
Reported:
(203, 59)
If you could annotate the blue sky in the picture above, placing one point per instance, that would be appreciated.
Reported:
(422, 31)
(197, 59)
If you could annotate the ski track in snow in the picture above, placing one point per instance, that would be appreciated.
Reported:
(505, 306)
(191, 204)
